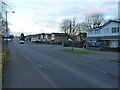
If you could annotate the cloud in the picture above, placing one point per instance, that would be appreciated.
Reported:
(35, 16)
(104, 7)
(64, 0)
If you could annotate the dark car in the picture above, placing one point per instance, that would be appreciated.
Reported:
(94, 44)
(21, 42)
(66, 44)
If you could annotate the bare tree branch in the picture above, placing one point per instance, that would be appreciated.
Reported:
(94, 20)
(69, 27)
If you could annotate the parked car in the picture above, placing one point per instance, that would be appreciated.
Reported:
(66, 45)
(21, 42)
(9, 40)
(94, 44)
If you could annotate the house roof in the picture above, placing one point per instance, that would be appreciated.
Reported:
(95, 28)
(82, 34)
(59, 34)
(48, 34)
(34, 35)
(110, 21)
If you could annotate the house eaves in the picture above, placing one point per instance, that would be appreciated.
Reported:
(110, 21)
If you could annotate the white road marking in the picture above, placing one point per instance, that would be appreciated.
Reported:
(97, 69)
(39, 65)
(103, 71)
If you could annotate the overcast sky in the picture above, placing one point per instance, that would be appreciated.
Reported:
(37, 16)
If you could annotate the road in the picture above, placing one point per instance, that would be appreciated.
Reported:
(48, 66)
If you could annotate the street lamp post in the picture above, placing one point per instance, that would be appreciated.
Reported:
(6, 14)
(6, 21)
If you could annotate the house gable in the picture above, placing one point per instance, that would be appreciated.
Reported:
(106, 30)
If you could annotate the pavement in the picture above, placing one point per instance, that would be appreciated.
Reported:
(48, 66)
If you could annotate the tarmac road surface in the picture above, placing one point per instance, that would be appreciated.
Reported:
(48, 66)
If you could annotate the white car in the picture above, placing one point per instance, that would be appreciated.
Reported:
(21, 42)
(9, 40)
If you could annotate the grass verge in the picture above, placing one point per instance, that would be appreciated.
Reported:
(75, 51)
(3, 57)
(28, 43)
(4, 54)
(118, 60)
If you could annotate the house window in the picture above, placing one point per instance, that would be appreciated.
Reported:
(115, 30)
(98, 31)
(107, 30)
(95, 32)
(113, 43)
(104, 30)
(89, 32)
(118, 29)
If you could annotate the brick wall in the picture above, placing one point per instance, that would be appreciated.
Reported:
(60, 38)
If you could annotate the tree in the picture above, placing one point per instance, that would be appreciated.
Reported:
(4, 6)
(65, 26)
(22, 37)
(69, 27)
(81, 29)
(43, 34)
(94, 20)
(11, 36)
(1, 15)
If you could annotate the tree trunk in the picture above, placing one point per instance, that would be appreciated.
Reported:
(72, 44)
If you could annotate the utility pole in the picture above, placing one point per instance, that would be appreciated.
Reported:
(6, 14)
(6, 21)
(6, 32)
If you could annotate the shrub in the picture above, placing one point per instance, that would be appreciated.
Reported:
(4, 54)
(4, 61)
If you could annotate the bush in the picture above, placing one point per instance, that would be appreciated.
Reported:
(4, 55)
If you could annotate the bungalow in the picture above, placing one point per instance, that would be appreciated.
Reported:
(81, 36)
(107, 35)
(39, 37)
(46, 37)
(35, 37)
(58, 37)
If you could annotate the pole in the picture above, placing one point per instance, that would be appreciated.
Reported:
(6, 21)
(6, 25)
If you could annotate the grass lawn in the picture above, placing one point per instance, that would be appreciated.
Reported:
(75, 51)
